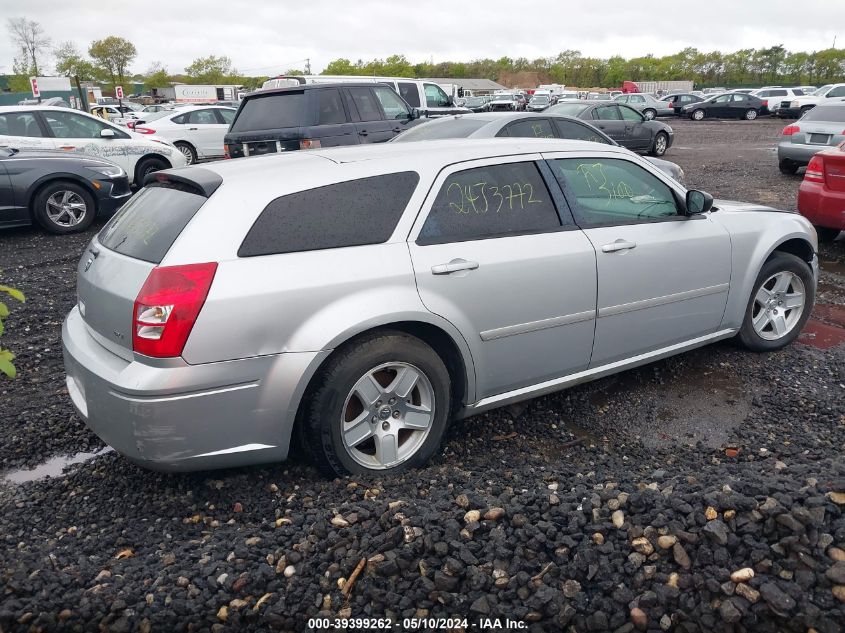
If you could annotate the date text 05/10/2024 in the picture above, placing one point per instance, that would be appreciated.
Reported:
(416, 624)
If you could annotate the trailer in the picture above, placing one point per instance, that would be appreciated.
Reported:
(192, 93)
(655, 87)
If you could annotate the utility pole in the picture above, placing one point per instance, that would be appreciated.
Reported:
(307, 65)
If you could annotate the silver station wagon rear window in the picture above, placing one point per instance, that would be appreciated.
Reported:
(351, 213)
(146, 227)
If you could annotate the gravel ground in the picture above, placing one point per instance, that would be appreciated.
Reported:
(701, 493)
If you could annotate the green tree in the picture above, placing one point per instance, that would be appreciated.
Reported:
(113, 55)
(340, 66)
(70, 63)
(210, 70)
(6, 357)
(156, 76)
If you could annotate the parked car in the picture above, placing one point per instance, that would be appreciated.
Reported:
(411, 284)
(800, 105)
(623, 124)
(197, 132)
(60, 192)
(725, 106)
(520, 125)
(678, 101)
(599, 96)
(46, 128)
(505, 102)
(821, 196)
(648, 105)
(478, 104)
(773, 98)
(819, 128)
(113, 113)
(538, 103)
(714, 91)
(316, 115)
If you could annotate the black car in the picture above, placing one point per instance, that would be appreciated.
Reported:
(317, 115)
(731, 105)
(61, 192)
(678, 101)
(478, 104)
(622, 123)
(520, 125)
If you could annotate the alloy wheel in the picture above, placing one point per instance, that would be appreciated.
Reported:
(187, 153)
(778, 305)
(66, 208)
(387, 415)
(660, 145)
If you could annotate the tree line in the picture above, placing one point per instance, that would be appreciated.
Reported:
(108, 62)
(749, 66)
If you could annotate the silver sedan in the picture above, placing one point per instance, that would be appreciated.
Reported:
(648, 105)
(818, 129)
(374, 293)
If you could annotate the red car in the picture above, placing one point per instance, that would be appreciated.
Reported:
(821, 196)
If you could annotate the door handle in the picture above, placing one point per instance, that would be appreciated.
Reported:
(452, 267)
(193, 129)
(618, 245)
(363, 133)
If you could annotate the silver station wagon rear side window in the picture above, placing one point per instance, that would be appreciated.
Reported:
(146, 227)
(351, 213)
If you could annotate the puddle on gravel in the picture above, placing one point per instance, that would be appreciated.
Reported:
(51, 468)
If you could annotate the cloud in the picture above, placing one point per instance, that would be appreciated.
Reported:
(268, 37)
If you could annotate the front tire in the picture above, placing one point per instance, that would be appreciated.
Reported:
(64, 207)
(146, 166)
(660, 145)
(780, 304)
(750, 114)
(697, 115)
(380, 406)
(649, 114)
(826, 234)
(188, 151)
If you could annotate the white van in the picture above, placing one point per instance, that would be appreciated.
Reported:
(428, 97)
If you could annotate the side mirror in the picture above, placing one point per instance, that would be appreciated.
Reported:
(107, 133)
(698, 202)
(415, 114)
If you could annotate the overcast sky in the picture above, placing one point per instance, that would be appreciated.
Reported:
(265, 37)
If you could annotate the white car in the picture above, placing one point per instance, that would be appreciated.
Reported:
(114, 113)
(798, 106)
(773, 96)
(49, 128)
(197, 131)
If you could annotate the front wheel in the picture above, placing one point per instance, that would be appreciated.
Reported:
(660, 145)
(750, 114)
(649, 114)
(64, 207)
(147, 166)
(826, 234)
(381, 405)
(188, 152)
(697, 115)
(780, 304)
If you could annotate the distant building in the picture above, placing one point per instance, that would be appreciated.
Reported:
(476, 87)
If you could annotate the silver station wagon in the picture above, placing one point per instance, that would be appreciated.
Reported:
(359, 299)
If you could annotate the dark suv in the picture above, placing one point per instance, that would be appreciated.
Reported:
(317, 115)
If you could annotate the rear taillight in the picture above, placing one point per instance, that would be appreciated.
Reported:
(130, 125)
(765, 103)
(226, 151)
(815, 170)
(789, 130)
(168, 306)
(309, 143)
(144, 130)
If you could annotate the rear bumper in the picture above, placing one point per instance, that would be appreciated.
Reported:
(789, 113)
(182, 417)
(821, 206)
(798, 152)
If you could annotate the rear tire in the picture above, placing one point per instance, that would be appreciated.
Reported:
(788, 167)
(147, 166)
(63, 207)
(344, 434)
(697, 115)
(769, 329)
(649, 114)
(188, 151)
(660, 145)
(827, 234)
(750, 114)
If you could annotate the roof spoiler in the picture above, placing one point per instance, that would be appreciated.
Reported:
(204, 181)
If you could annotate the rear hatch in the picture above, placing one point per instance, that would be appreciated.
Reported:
(268, 124)
(119, 259)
